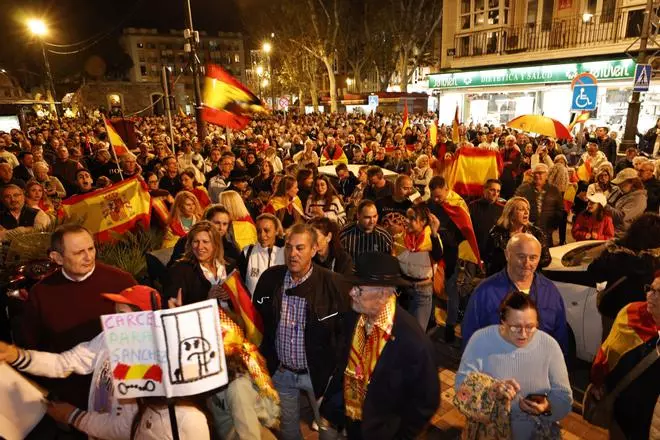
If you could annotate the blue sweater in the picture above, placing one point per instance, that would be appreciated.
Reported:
(537, 367)
(483, 307)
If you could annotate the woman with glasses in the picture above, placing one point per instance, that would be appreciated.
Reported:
(514, 219)
(512, 381)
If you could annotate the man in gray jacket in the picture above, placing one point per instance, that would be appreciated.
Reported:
(545, 201)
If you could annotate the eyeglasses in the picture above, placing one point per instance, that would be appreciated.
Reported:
(649, 288)
(519, 328)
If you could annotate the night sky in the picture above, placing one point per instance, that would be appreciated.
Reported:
(72, 21)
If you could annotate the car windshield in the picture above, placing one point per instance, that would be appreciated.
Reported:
(583, 255)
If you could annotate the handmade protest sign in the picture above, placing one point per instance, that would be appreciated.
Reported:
(175, 352)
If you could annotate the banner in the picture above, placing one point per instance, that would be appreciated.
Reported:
(171, 353)
(118, 208)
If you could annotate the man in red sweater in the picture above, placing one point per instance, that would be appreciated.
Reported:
(64, 308)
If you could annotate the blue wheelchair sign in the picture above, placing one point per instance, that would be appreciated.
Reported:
(584, 97)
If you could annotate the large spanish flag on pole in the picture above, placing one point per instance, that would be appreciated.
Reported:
(227, 102)
(242, 304)
(116, 209)
(117, 143)
(406, 117)
(455, 135)
(470, 170)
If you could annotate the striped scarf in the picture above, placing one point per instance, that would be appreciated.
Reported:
(362, 360)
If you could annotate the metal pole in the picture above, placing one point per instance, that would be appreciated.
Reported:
(51, 83)
(168, 107)
(635, 105)
(272, 82)
(194, 61)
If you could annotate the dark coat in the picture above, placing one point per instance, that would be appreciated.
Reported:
(615, 262)
(551, 207)
(21, 172)
(404, 390)
(338, 261)
(608, 147)
(652, 187)
(484, 215)
(498, 237)
(327, 299)
(189, 277)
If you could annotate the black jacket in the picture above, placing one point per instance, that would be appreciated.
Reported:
(338, 261)
(652, 187)
(21, 172)
(484, 215)
(327, 299)
(188, 277)
(498, 237)
(551, 207)
(404, 390)
(608, 147)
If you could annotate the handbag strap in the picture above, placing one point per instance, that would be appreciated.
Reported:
(633, 374)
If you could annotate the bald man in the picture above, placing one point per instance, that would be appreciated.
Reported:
(523, 252)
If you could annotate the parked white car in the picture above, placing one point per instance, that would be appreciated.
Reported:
(568, 270)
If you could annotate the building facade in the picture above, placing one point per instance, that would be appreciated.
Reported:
(152, 50)
(504, 58)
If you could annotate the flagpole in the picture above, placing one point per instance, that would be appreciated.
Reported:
(168, 107)
(192, 38)
(112, 148)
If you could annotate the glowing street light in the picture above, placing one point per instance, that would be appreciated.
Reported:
(37, 27)
(264, 83)
(349, 81)
(260, 70)
(266, 47)
(586, 17)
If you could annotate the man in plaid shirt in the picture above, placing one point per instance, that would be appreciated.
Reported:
(301, 305)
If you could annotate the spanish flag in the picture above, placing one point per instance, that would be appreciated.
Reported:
(585, 172)
(433, 132)
(338, 156)
(245, 232)
(227, 102)
(470, 168)
(182, 113)
(276, 203)
(459, 213)
(242, 305)
(406, 118)
(579, 119)
(115, 140)
(455, 135)
(116, 209)
(634, 330)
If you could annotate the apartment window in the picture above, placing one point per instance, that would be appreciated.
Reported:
(483, 13)
(140, 45)
(213, 45)
(151, 46)
(532, 11)
(548, 10)
(142, 58)
(634, 23)
(237, 58)
(143, 70)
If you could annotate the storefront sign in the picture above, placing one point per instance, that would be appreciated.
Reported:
(547, 74)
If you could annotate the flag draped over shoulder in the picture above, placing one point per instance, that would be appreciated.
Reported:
(470, 168)
(338, 157)
(276, 203)
(459, 213)
(584, 172)
(227, 102)
(245, 232)
(455, 135)
(242, 304)
(118, 208)
(115, 140)
(634, 326)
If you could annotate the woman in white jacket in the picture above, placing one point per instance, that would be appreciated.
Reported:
(324, 202)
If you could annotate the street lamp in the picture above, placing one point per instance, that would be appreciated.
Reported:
(39, 29)
(349, 82)
(267, 48)
(260, 72)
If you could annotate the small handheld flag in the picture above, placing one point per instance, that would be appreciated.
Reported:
(455, 135)
(116, 141)
(240, 301)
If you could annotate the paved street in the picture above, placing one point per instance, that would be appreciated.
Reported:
(449, 422)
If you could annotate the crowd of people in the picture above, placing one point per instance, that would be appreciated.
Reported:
(346, 233)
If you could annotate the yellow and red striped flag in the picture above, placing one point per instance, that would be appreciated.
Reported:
(433, 132)
(116, 141)
(584, 172)
(579, 119)
(242, 304)
(406, 118)
(470, 168)
(245, 232)
(455, 135)
(227, 102)
(116, 209)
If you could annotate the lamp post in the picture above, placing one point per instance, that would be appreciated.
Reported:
(39, 29)
(192, 38)
(260, 72)
(267, 48)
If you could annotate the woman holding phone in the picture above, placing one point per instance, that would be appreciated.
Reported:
(513, 377)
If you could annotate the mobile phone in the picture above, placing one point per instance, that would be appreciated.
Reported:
(414, 196)
(537, 397)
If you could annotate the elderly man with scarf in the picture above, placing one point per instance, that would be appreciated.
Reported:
(387, 385)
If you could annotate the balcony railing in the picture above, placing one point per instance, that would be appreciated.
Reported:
(574, 32)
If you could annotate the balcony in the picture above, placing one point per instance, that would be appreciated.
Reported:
(574, 32)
